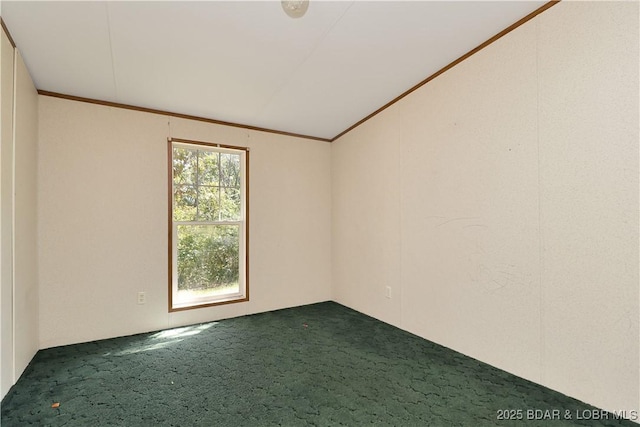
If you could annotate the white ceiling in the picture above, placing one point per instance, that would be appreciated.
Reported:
(247, 62)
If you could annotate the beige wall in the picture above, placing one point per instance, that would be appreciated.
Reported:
(500, 203)
(25, 246)
(6, 213)
(102, 193)
(18, 231)
(589, 201)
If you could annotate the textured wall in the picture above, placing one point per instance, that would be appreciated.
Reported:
(6, 214)
(500, 203)
(25, 219)
(588, 111)
(103, 221)
(19, 272)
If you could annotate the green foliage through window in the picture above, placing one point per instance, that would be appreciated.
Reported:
(207, 256)
(206, 185)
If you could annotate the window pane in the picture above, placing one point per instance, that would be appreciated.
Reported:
(184, 165)
(208, 260)
(208, 172)
(208, 203)
(184, 203)
(230, 204)
(230, 170)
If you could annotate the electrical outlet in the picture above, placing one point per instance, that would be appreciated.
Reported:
(142, 298)
(387, 291)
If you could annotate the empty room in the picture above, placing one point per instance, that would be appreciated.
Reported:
(258, 213)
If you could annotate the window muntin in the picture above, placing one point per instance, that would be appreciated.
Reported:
(208, 239)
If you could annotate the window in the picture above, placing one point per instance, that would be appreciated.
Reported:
(208, 219)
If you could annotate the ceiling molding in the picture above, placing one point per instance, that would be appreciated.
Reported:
(452, 64)
(178, 115)
(6, 31)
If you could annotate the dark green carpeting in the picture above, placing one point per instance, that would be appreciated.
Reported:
(321, 364)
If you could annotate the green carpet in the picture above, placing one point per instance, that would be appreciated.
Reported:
(321, 364)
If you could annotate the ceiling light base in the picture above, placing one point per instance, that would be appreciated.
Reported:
(295, 8)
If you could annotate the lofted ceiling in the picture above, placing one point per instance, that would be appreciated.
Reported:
(246, 62)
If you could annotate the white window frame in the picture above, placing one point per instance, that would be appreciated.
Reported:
(243, 224)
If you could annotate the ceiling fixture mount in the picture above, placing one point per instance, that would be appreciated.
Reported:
(295, 8)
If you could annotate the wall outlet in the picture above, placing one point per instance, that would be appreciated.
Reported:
(142, 298)
(387, 291)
